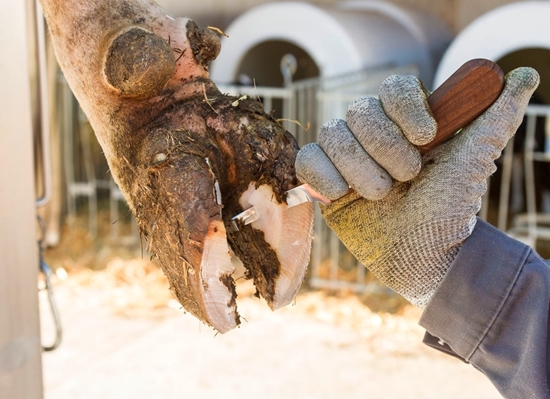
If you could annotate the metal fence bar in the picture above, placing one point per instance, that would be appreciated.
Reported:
(504, 196)
(530, 177)
(533, 224)
(73, 120)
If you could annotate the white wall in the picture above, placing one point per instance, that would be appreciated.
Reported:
(455, 13)
(498, 33)
(342, 39)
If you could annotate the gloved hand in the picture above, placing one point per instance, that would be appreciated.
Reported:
(410, 214)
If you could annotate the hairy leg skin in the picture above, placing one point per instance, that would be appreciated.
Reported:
(186, 157)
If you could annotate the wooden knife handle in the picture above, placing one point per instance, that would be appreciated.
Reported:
(464, 96)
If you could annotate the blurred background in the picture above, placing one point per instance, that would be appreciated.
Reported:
(114, 329)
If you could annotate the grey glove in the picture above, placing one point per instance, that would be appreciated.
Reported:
(409, 215)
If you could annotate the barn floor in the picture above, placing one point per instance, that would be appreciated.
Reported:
(124, 337)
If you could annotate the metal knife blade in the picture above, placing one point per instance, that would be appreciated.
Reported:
(295, 196)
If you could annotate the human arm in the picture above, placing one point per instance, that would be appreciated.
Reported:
(414, 236)
(491, 310)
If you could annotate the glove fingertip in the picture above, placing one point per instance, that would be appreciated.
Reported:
(497, 125)
(404, 99)
(314, 167)
(522, 79)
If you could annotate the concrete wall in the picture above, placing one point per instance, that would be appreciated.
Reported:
(456, 13)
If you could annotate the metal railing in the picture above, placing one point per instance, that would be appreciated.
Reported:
(518, 174)
(80, 170)
(307, 103)
(310, 103)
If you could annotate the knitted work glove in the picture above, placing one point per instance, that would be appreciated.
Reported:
(409, 215)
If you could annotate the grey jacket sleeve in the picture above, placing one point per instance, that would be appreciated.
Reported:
(492, 310)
